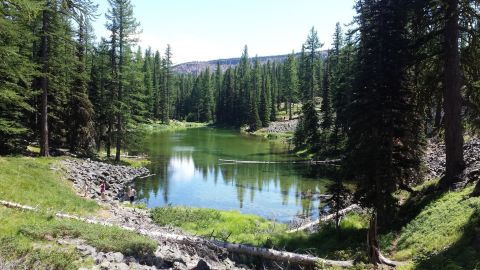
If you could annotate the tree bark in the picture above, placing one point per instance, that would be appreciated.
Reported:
(374, 254)
(44, 148)
(452, 98)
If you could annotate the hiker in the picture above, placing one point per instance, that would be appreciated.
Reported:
(131, 194)
(85, 188)
(103, 187)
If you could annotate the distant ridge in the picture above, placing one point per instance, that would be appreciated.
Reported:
(195, 67)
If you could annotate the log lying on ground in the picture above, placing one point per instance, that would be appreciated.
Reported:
(325, 218)
(234, 161)
(270, 254)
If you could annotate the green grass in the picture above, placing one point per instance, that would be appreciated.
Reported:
(32, 238)
(235, 227)
(231, 226)
(171, 126)
(283, 137)
(441, 236)
(135, 162)
(31, 181)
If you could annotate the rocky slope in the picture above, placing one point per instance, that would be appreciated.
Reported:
(435, 159)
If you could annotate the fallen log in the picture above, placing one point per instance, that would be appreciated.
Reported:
(325, 218)
(234, 161)
(271, 254)
(145, 176)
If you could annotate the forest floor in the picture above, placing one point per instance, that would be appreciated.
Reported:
(435, 231)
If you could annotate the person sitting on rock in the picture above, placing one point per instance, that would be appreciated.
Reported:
(103, 187)
(131, 194)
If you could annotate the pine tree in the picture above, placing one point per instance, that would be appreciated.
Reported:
(243, 86)
(452, 105)
(156, 78)
(15, 47)
(123, 28)
(147, 70)
(254, 122)
(264, 106)
(274, 91)
(81, 127)
(167, 88)
(290, 82)
(384, 133)
(326, 101)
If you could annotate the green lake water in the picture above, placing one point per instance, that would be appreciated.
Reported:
(189, 172)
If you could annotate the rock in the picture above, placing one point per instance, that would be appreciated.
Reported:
(105, 265)
(202, 265)
(179, 266)
(121, 266)
(117, 257)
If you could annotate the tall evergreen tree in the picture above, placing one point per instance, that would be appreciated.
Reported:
(81, 126)
(290, 81)
(123, 27)
(384, 134)
(254, 122)
(15, 47)
(264, 106)
(452, 105)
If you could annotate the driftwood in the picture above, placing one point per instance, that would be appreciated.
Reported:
(374, 253)
(145, 176)
(271, 254)
(325, 218)
(233, 161)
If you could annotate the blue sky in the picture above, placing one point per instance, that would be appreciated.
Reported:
(201, 30)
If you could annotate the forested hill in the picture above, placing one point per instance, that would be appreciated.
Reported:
(195, 67)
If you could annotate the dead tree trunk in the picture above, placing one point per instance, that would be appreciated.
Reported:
(374, 253)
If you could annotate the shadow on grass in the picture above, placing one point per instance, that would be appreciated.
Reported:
(346, 244)
(415, 204)
(463, 254)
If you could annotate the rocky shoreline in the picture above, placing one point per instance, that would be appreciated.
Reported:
(282, 126)
(87, 175)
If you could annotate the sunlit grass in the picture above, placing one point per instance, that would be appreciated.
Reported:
(32, 237)
(32, 181)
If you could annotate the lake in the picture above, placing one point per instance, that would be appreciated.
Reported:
(188, 171)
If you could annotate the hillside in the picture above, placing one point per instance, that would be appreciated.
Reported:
(196, 67)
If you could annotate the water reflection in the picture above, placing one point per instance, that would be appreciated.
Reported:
(188, 172)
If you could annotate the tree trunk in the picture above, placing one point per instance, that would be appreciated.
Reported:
(374, 254)
(108, 142)
(289, 110)
(452, 98)
(118, 143)
(44, 149)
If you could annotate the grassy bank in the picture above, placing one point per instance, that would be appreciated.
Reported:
(442, 232)
(232, 226)
(171, 126)
(282, 137)
(30, 239)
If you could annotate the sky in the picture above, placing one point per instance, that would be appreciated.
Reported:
(200, 30)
